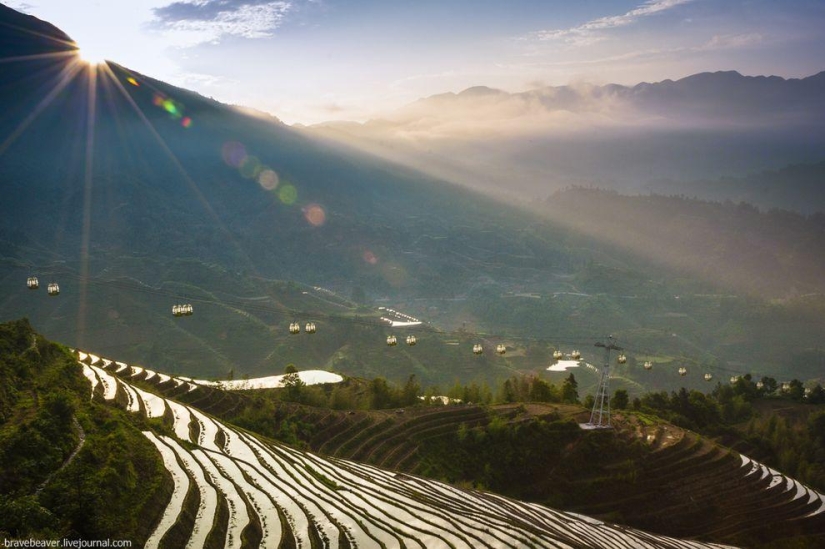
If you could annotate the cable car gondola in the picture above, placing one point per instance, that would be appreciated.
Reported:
(501, 349)
(759, 385)
(621, 359)
(411, 340)
(682, 371)
(648, 365)
(182, 310)
(53, 288)
(576, 355)
(734, 379)
(708, 376)
(557, 355)
(392, 341)
(32, 283)
(294, 328)
(310, 328)
(478, 349)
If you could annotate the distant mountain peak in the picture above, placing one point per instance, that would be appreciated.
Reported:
(481, 91)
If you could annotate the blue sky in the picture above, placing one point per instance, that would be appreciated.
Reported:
(313, 60)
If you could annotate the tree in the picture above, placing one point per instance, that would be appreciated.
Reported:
(409, 394)
(541, 391)
(620, 399)
(342, 398)
(816, 429)
(507, 393)
(797, 390)
(293, 385)
(768, 385)
(570, 390)
(817, 395)
(380, 394)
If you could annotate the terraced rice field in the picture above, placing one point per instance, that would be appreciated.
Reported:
(233, 489)
(694, 487)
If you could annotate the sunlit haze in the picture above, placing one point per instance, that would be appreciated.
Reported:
(314, 60)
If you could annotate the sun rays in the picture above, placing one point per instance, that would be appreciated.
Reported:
(88, 165)
(99, 108)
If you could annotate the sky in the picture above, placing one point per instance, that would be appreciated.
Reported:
(308, 61)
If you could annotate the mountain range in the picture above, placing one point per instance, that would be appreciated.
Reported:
(626, 138)
(135, 196)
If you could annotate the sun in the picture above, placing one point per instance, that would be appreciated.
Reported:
(91, 55)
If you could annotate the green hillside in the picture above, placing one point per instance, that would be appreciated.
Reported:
(63, 466)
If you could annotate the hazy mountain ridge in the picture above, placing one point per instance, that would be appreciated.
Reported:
(707, 125)
(728, 94)
(728, 242)
(799, 188)
(162, 215)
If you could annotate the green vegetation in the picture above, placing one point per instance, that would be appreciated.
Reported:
(524, 443)
(64, 470)
(783, 431)
(505, 457)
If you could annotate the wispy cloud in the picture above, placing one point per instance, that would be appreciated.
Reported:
(594, 31)
(732, 41)
(210, 20)
(23, 7)
(198, 80)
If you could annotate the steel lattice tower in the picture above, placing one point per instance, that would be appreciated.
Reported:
(600, 416)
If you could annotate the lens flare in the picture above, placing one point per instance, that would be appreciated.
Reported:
(186, 122)
(172, 108)
(268, 179)
(158, 100)
(315, 214)
(133, 82)
(369, 257)
(250, 167)
(288, 194)
(233, 153)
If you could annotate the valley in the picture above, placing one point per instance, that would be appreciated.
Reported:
(218, 330)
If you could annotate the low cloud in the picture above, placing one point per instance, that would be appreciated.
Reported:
(211, 20)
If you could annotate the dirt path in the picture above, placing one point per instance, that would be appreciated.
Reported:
(82, 439)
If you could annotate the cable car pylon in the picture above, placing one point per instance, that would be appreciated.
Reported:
(600, 415)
